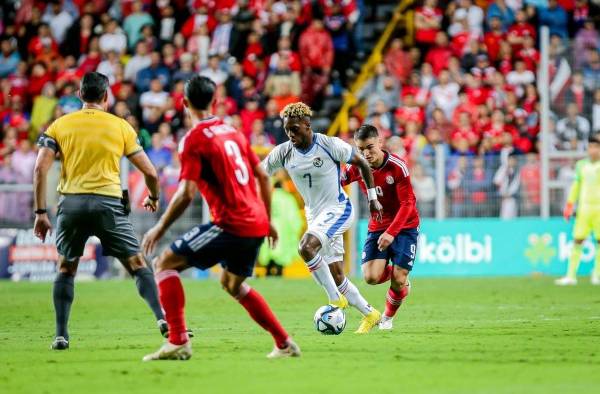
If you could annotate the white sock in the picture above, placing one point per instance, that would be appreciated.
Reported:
(354, 297)
(320, 271)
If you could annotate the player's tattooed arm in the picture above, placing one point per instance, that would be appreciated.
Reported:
(181, 199)
(366, 174)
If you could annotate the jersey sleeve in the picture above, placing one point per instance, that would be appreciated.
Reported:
(402, 181)
(274, 160)
(190, 160)
(576, 186)
(48, 138)
(338, 149)
(132, 145)
(350, 174)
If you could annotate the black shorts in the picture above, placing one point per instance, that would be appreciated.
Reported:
(206, 245)
(401, 251)
(81, 216)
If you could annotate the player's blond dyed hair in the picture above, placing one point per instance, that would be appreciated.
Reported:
(296, 110)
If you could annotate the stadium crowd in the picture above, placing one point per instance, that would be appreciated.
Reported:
(467, 84)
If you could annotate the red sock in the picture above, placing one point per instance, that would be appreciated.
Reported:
(259, 310)
(172, 299)
(387, 274)
(394, 300)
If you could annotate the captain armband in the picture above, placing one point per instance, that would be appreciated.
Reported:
(45, 141)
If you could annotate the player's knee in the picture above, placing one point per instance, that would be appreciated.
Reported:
(371, 279)
(68, 267)
(306, 251)
(400, 276)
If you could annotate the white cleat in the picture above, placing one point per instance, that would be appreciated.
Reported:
(565, 281)
(386, 323)
(291, 350)
(595, 280)
(169, 351)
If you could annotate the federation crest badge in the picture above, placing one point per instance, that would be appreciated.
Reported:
(317, 162)
(389, 180)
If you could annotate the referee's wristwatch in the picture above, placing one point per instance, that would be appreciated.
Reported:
(153, 198)
(40, 211)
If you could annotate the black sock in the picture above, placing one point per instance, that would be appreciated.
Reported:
(144, 280)
(63, 294)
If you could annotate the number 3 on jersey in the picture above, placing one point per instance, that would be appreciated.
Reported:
(241, 172)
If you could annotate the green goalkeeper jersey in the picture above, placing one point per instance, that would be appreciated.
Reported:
(585, 190)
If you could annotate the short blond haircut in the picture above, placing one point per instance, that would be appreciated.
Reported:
(296, 110)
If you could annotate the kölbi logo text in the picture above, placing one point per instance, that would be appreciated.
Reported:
(458, 249)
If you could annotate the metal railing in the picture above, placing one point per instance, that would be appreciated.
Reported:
(341, 120)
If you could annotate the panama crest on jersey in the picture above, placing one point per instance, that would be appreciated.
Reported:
(317, 162)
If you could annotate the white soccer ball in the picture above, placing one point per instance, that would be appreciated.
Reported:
(330, 320)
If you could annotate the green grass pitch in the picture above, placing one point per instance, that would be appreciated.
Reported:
(499, 335)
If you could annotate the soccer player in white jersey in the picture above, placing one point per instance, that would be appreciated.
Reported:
(313, 162)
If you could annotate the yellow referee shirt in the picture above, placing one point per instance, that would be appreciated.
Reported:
(91, 143)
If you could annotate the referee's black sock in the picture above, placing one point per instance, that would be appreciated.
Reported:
(144, 280)
(63, 294)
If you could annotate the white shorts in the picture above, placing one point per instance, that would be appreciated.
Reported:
(329, 227)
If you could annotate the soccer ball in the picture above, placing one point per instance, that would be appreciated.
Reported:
(330, 320)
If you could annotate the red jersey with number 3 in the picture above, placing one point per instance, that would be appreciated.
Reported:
(219, 159)
(394, 192)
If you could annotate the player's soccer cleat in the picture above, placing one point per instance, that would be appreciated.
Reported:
(386, 323)
(164, 329)
(169, 351)
(342, 303)
(565, 281)
(368, 322)
(291, 350)
(595, 280)
(60, 343)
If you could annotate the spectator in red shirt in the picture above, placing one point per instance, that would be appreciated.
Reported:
(529, 54)
(43, 40)
(493, 38)
(37, 80)
(409, 111)
(397, 61)
(464, 106)
(249, 114)
(428, 22)
(316, 55)
(284, 46)
(439, 55)
(521, 29)
(464, 131)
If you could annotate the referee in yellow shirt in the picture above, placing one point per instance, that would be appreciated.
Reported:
(91, 143)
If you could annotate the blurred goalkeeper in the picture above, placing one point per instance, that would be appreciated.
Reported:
(585, 192)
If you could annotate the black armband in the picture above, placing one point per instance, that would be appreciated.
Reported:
(45, 141)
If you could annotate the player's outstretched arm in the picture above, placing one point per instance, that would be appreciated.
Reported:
(366, 174)
(141, 161)
(181, 199)
(264, 183)
(43, 163)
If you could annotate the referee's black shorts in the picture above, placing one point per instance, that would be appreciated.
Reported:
(81, 216)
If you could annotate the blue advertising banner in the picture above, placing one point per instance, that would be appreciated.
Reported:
(494, 247)
(24, 257)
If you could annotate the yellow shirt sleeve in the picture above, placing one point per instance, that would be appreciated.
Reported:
(131, 141)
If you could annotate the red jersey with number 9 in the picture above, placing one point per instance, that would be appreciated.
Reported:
(219, 159)
(394, 192)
